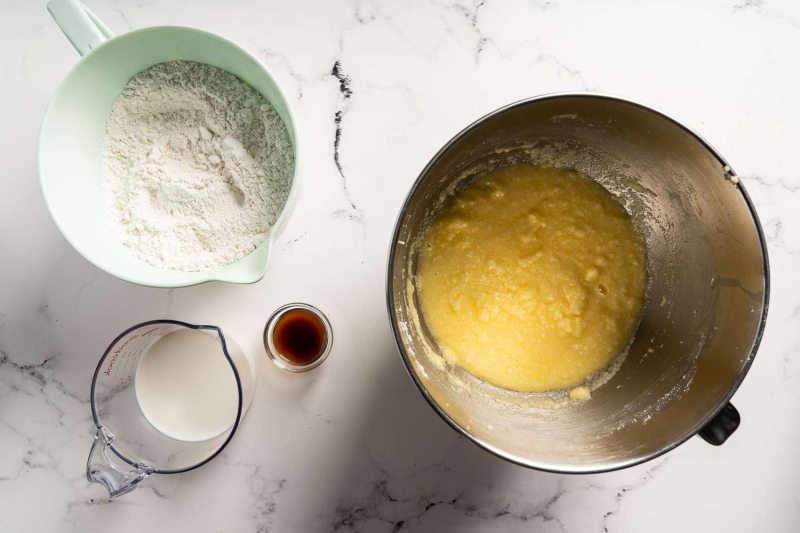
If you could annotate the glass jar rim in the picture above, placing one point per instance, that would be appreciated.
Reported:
(269, 344)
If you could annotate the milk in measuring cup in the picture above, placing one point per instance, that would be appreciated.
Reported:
(186, 388)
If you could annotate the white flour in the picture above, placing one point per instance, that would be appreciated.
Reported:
(197, 166)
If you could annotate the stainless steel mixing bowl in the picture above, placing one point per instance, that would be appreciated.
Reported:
(707, 294)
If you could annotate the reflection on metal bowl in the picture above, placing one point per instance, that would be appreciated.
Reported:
(707, 296)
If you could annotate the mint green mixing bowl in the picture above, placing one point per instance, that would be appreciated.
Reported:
(74, 127)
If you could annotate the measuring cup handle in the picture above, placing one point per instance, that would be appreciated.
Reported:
(118, 479)
(83, 29)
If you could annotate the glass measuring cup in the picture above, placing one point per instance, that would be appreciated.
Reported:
(127, 447)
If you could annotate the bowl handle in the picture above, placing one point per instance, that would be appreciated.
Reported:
(118, 479)
(83, 29)
(721, 426)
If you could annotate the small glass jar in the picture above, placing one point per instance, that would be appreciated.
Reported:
(284, 362)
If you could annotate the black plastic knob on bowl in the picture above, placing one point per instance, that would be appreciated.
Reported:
(721, 426)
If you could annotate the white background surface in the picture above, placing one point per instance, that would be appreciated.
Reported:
(353, 446)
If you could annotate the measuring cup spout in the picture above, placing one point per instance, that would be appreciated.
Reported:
(118, 479)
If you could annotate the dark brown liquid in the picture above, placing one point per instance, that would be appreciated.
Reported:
(300, 336)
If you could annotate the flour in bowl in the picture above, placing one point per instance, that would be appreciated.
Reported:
(197, 166)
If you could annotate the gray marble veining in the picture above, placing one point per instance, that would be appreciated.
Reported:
(352, 447)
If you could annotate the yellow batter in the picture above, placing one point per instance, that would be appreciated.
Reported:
(532, 278)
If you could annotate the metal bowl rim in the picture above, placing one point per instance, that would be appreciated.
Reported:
(566, 468)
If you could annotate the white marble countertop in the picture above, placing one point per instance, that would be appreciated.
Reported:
(353, 446)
